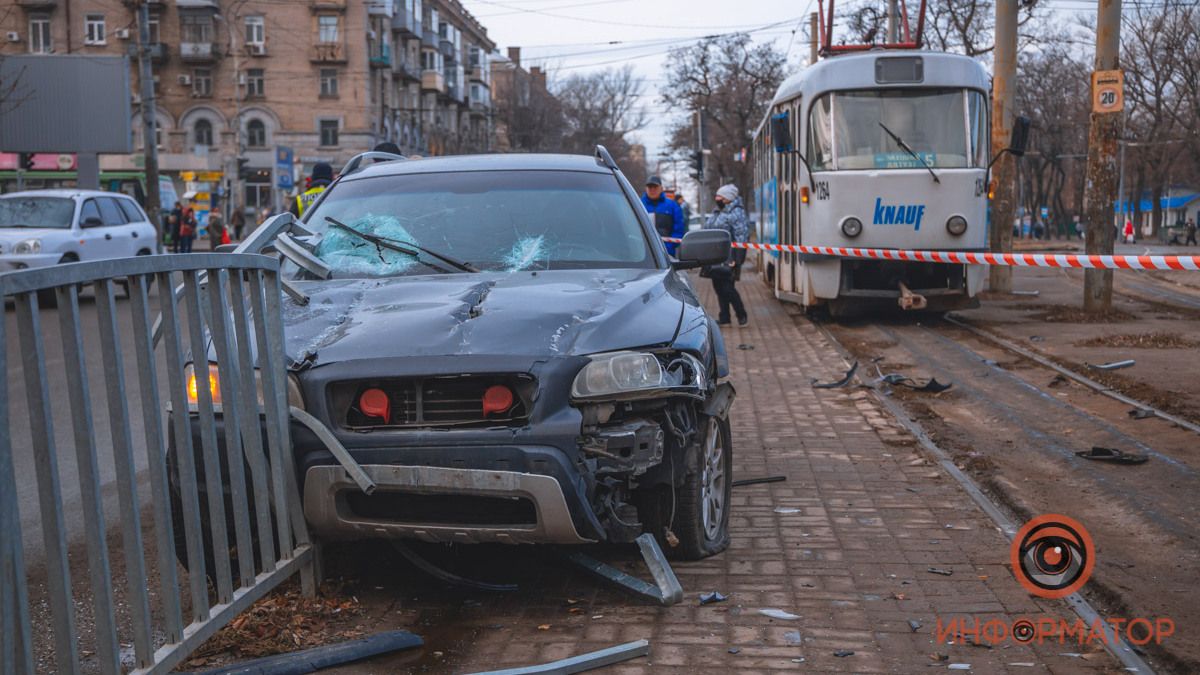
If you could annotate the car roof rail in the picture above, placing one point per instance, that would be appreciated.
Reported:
(603, 158)
(356, 161)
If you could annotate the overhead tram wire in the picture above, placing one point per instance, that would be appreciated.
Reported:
(673, 41)
(624, 24)
(570, 6)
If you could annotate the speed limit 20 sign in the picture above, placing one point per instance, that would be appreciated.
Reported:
(1108, 91)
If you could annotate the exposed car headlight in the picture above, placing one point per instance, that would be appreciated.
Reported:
(616, 373)
(852, 227)
(28, 246)
(956, 225)
(294, 396)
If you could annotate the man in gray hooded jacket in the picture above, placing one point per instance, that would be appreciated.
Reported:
(729, 215)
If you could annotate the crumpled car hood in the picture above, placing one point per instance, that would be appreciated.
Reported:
(542, 314)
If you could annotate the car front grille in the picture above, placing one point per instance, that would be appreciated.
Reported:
(448, 401)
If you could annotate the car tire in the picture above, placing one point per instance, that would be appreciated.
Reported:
(698, 515)
(47, 298)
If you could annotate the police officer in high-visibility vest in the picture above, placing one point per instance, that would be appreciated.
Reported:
(322, 176)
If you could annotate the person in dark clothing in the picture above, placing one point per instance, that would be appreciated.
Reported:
(322, 176)
(238, 222)
(729, 215)
(665, 213)
(386, 146)
(174, 220)
(1191, 232)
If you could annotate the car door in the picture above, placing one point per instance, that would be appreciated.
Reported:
(117, 240)
(140, 232)
(95, 238)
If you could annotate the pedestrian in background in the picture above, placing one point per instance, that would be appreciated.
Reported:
(1128, 233)
(1191, 232)
(684, 207)
(216, 230)
(729, 215)
(322, 176)
(664, 213)
(187, 229)
(174, 221)
(238, 222)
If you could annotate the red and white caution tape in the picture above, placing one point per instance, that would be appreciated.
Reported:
(1102, 262)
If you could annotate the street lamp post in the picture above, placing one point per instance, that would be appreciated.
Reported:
(235, 177)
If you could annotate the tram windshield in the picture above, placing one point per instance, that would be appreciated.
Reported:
(947, 128)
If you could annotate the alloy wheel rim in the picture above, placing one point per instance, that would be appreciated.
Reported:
(712, 481)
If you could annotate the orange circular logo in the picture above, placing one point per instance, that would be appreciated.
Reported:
(1053, 556)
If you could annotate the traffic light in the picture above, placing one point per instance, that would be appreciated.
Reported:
(696, 161)
(27, 161)
(243, 172)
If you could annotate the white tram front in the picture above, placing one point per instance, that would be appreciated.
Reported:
(879, 149)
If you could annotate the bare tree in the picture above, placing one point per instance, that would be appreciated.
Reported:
(968, 26)
(603, 108)
(730, 81)
(528, 117)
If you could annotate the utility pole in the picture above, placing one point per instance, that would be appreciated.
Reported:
(700, 192)
(149, 120)
(1004, 174)
(813, 47)
(893, 23)
(1102, 165)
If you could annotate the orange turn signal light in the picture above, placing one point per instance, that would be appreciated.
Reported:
(803, 194)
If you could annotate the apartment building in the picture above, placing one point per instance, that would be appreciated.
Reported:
(237, 80)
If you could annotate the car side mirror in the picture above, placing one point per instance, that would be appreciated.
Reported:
(702, 247)
(1020, 136)
(92, 221)
(781, 133)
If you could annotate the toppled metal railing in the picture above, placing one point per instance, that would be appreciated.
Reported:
(230, 305)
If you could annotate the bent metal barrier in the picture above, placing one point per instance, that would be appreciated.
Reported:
(1084, 261)
(230, 303)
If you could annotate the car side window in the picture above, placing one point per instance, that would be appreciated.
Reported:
(133, 214)
(89, 210)
(110, 212)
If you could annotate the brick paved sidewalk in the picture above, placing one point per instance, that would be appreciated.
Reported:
(845, 543)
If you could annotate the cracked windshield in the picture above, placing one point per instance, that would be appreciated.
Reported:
(489, 220)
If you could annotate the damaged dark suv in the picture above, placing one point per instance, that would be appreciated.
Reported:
(503, 347)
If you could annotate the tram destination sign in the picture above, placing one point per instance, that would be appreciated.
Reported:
(1108, 91)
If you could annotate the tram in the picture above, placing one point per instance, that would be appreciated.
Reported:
(875, 147)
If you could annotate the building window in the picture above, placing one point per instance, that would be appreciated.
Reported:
(256, 134)
(93, 29)
(329, 133)
(203, 133)
(39, 34)
(197, 28)
(329, 82)
(202, 83)
(327, 28)
(255, 83)
(140, 134)
(153, 25)
(256, 30)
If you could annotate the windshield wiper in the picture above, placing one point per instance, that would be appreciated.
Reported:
(900, 142)
(403, 246)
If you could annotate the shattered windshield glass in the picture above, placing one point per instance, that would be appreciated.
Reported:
(492, 220)
(52, 212)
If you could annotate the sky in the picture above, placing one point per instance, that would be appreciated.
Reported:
(565, 36)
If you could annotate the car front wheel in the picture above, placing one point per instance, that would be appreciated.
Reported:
(699, 514)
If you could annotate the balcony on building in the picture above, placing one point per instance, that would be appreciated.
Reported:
(432, 80)
(197, 52)
(379, 53)
(38, 4)
(327, 5)
(407, 71)
(197, 4)
(406, 23)
(380, 8)
(158, 52)
(328, 52)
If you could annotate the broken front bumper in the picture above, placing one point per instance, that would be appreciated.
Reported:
(537, 509)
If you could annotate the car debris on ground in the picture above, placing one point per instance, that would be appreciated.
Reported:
(327, 656)
(583, 662)
(758, 481)
(1101, 454)
(1115, 365)
(816, 384)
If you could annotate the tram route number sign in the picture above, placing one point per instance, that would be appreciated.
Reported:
(1108, 91)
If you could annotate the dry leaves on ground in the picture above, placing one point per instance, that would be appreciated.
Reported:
(284, 621)
(1155, 340)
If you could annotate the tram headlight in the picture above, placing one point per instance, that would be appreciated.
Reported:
(852, 227)
(956, 225)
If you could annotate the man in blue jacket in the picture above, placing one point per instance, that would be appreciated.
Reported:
(664, 213)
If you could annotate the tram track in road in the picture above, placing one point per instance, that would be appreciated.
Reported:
(1012, 438)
